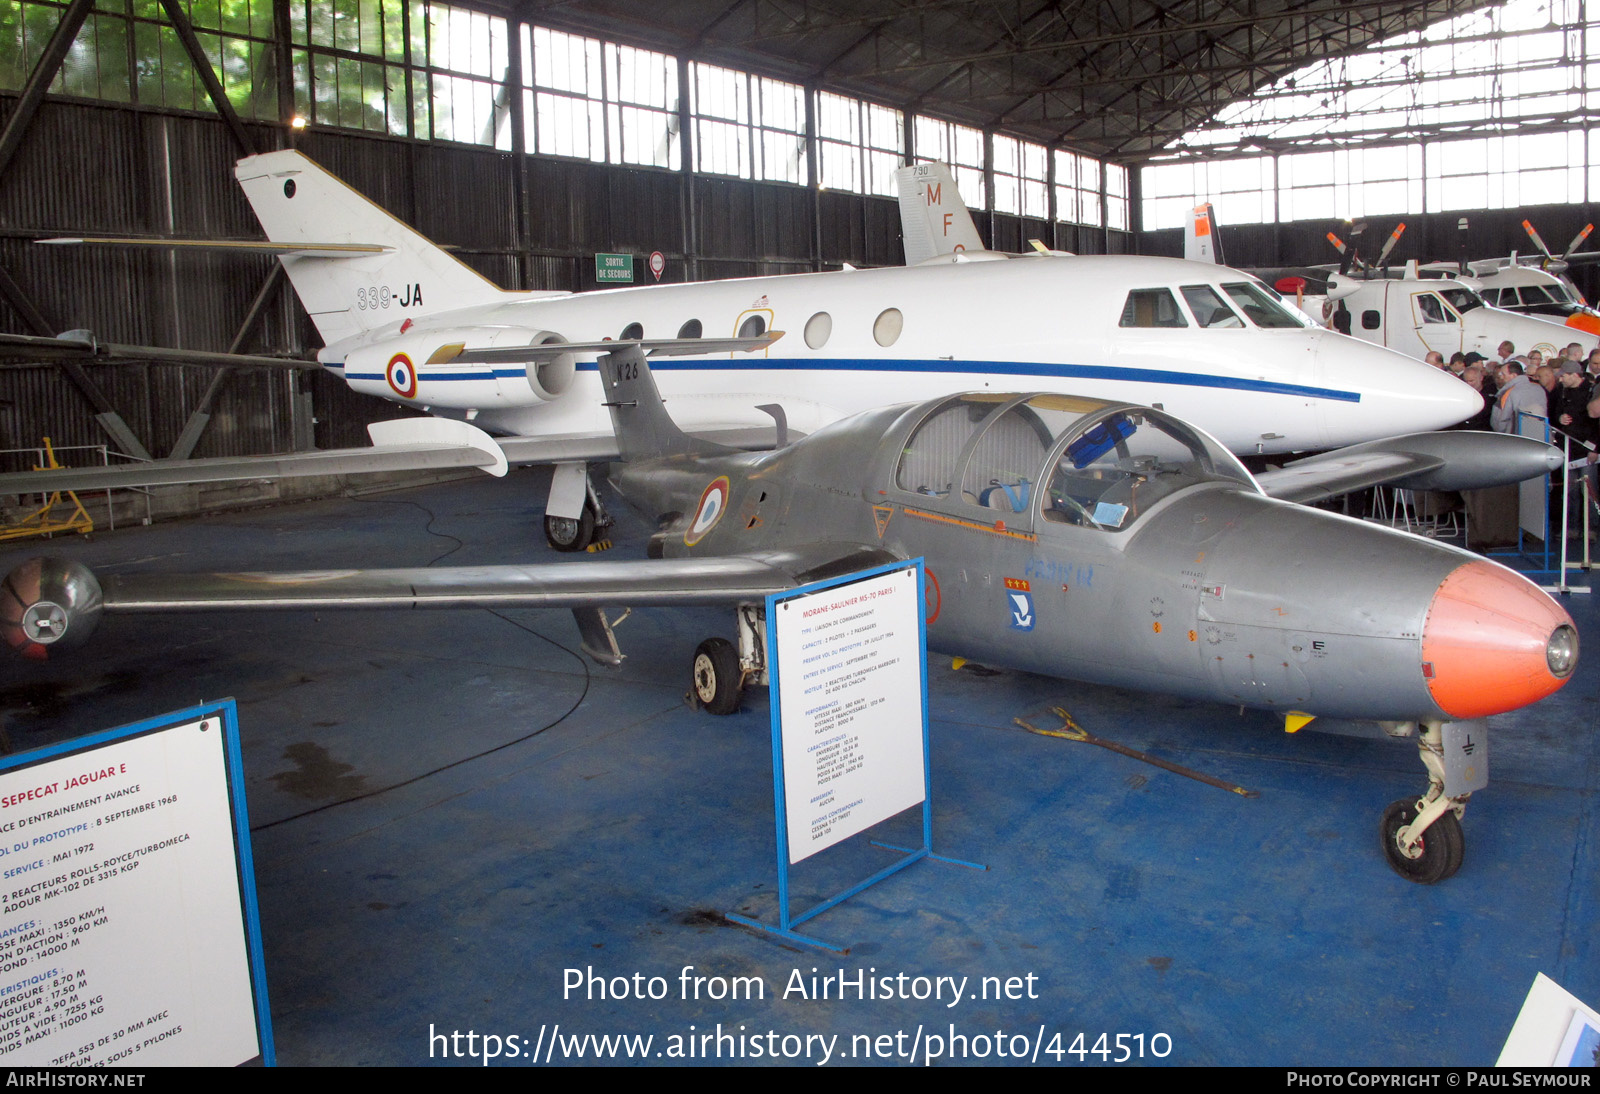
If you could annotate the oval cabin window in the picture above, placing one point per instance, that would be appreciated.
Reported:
(818, 328)
(886, 329)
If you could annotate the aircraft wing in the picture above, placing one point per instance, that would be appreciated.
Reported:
(408, 444)
(79, 346)
(1458, 460)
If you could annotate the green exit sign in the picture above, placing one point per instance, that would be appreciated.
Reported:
(613, 268)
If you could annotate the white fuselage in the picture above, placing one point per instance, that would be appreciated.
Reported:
(1024, 323)
(1416, 316)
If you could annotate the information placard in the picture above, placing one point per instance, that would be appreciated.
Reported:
(128, 926)
(850, 661)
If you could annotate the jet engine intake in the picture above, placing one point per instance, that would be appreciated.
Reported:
(550, 378)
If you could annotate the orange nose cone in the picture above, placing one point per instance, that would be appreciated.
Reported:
(1584, 323)
(1494, 642)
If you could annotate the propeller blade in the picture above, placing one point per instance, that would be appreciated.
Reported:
(1577, 240)
(1537, 242)
(1394, 237)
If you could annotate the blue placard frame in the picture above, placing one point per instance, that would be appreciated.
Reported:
(787, 921)
(244, 864)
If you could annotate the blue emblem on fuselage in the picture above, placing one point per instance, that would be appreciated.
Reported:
(1021, 605)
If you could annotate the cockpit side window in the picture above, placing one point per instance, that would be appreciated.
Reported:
(1122, 464)
(1209, 309)
(1430, 309)
(1152, 308)
(1261, 307)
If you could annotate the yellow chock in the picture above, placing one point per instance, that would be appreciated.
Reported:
(1296, 720)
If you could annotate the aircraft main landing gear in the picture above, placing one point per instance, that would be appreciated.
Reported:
(721, 670)
(571, 492)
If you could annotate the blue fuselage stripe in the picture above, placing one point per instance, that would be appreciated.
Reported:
(977, 368)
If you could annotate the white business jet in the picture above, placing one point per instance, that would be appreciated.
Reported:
(757, 357)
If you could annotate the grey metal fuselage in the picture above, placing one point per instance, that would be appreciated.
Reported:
(1214, 591)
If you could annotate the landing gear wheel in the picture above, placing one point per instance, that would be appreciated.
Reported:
(568, 534)
(716, 675)
(1439, 852)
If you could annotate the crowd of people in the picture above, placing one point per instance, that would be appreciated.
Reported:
(1565, 390)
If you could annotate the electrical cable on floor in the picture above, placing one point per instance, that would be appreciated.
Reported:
(465, 759)
(428, 528)
(477, 755)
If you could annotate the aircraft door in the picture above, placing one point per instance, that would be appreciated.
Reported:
(1437, 325)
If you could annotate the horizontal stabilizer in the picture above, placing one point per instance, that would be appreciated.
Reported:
(30, 348)
(410, 444)
(236, 246)
(1453, 460)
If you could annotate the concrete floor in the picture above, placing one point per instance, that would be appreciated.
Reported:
(452, 809)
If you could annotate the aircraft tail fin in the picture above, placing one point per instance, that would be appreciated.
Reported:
(644, 429)
(1201, 241)
(392, 274)
(934, 221)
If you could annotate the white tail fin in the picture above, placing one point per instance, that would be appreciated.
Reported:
(296, 200)
(933, 218)
(1200, 240)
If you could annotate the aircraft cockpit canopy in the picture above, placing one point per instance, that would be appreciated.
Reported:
(1102, 464)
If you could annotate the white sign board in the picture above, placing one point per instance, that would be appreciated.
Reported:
(1554, 1029)
(122, 938)
(849, 670)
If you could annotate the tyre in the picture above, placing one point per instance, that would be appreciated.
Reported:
(567, 534)
(716, 676)
(1441, 850)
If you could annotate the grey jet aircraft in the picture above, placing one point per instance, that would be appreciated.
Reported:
(1070, 536)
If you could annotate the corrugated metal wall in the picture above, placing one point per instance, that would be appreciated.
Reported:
(104, 169)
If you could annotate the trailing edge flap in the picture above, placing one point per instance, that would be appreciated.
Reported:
(653, 347)
(410, 444)
(237, 246)
(640, 583)
(81, 345)
(1329, 476)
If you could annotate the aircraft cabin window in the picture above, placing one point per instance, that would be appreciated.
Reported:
(887, 327)
(818, 328)
(692, 329)
(633, 332)
(1209, 308)
(754, 327)
(1535, 294)
(1371, 319)
(928, 465)
(1259, 306)
(1152, 308)
(1004, 463)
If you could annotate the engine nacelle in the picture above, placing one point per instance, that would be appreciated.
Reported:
(551, 378)
(433, 367)
(49, 604)
(1341, 287)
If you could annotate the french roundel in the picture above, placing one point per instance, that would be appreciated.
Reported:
(402, 376)
(712, 503)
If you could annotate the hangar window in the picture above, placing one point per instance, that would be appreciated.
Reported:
(598, 101)
(1208, 307)
(692, 329)
(887, 327)
(1371, 319)
(748, 126)
(1078, 188)
(1020, 177)
(818, 328)
(859, 144)
(632, 332)
(1152, 308)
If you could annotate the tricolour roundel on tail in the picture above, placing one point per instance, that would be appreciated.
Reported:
(297, 201)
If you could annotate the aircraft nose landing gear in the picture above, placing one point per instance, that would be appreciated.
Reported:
(1422, 837)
